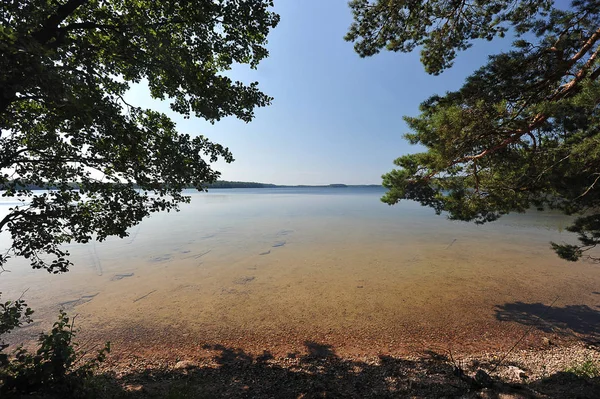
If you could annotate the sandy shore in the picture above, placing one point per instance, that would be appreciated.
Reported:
(319, 371)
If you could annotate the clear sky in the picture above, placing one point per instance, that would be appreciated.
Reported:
(336, 118)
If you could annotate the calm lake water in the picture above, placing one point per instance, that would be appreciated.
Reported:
(269, 269)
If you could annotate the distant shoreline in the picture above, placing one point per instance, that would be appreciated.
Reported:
(223, 184)
(227, 184)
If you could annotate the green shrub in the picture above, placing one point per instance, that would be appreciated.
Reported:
(57, 367)
(12, 315)
(588, 368)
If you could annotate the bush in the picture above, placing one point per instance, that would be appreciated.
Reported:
(57, 367)
(12, 315)
(588, 368)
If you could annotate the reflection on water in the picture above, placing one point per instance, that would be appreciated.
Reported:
(270, 267)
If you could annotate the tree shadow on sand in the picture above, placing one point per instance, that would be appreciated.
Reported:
(580, 320)
(319, 372)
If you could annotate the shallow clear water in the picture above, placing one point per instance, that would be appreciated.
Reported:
(271, 268)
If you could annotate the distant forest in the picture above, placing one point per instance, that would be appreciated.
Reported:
(243, 184)
(217, 184)
(238, 184)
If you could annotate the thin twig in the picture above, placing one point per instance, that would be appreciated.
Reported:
(23, 294)
(590, 187)
(524, 335)
(142, 297)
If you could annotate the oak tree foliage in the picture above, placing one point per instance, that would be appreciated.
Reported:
(524, 129)
(105, 164)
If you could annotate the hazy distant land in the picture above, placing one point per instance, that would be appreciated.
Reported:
(224, 184)
(243, 184)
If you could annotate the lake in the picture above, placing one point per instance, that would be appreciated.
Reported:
(270, 269)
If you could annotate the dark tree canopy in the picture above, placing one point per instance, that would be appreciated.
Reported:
(522, 132)
(64, 68)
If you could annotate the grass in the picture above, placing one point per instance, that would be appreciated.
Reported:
(587, 368)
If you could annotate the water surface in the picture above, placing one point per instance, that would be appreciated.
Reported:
(268, 269)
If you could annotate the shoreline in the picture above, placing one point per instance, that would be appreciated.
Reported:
(160, 362)
(170, 342)
(319, 371)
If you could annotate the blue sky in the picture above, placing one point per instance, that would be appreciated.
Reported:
(336, 118)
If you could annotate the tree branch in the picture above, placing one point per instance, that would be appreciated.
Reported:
(50, 27)
(94, 25)
(563, 91)
(590, 187)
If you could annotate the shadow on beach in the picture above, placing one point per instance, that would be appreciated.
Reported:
(579, 320)
(319, 372)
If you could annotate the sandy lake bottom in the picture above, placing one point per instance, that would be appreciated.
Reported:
(276, 271)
